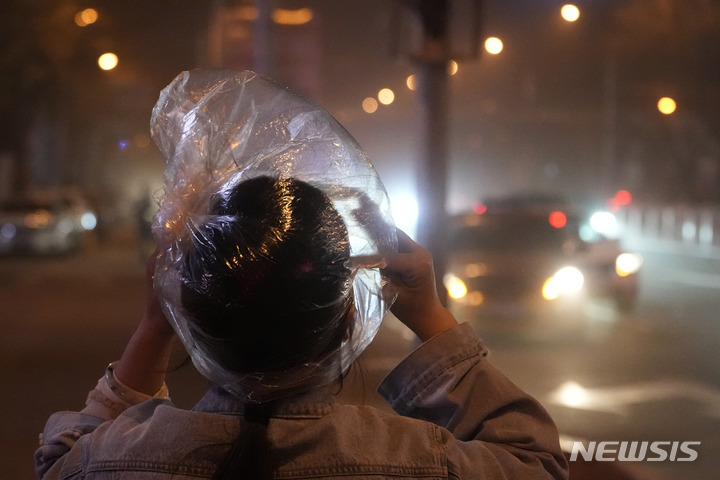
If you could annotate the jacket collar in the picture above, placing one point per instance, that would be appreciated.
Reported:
(311, 404)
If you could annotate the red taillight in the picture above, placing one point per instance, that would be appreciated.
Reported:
(620, 199)
(623, 197)
(479, 208)
(557, 219)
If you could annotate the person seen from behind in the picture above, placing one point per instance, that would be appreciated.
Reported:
(276, 262)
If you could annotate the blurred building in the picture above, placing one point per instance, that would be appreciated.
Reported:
(283, 43)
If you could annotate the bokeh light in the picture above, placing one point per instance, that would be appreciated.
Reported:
(623, 197)
(667, 105)
(570, 12)
(557, 219)
(108, 61)
(493, 45)
(479, 208)
(456, 288)
(370, 105)
(386, 96)
(283, 16)
(572, 394)
(605, 223)
(411, 82)
(86, 17)
(404, 209)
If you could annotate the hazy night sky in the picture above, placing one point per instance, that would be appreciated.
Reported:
(534, 117)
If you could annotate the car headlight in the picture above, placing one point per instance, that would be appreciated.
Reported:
(605, 223)
(88, 220)
(566, 281)
(627, 264)
(456, 288)
(8, 231)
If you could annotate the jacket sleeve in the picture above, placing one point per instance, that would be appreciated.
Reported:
(64, 429)
(490, 427)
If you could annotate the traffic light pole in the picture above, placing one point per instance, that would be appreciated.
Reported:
(432, 165)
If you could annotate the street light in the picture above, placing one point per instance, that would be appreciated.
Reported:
(386, 96)
(370, 105)
(666, 106)
(107, 61)
(493, 45)
(570, 13)
(411, 82)
(86, 17)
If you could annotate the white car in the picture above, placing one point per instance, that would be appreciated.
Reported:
(45, 222)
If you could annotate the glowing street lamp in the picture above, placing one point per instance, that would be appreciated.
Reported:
(570, 13)
(666, 106)
(411, 82)
(386, 96)
(107, 61)
(370, 105)
(493, 45)
(86, 17)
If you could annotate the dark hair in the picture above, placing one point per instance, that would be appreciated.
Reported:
(267, 288)
(265, 281)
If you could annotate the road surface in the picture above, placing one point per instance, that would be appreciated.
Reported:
(647, 376)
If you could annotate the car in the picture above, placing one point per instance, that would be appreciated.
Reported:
(44, 222)
(525, 258)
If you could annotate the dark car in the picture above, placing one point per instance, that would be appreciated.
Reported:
(44, 223)
(522, 260)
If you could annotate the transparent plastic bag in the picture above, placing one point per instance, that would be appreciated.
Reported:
(217, 128)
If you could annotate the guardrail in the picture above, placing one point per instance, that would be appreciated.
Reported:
(689, 229)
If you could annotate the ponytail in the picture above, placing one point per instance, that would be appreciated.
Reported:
(249, 454)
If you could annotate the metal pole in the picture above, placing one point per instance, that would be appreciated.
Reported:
(432, 166)
(264, 55)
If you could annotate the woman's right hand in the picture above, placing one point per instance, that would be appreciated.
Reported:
(418, 305)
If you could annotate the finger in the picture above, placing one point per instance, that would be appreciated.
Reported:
(367, 261)
(405, 243)
(400, 263)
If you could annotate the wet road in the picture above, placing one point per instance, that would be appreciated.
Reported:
(647, 376)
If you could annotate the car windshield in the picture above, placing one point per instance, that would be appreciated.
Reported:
(510, 233)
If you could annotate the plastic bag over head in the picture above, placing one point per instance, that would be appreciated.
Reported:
(221, 129)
